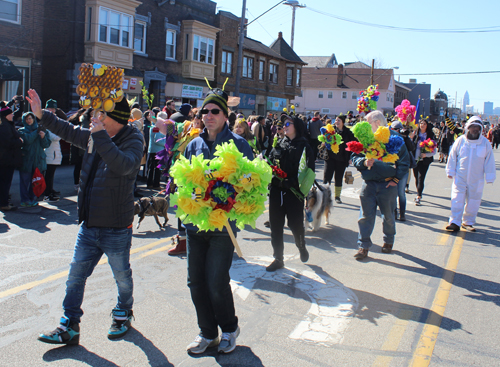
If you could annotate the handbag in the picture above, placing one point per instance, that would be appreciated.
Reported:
(348, 178)
(322, 152)
(38, 183)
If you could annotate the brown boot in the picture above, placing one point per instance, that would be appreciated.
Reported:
(361, 254)
(180, 246)
(387, 248)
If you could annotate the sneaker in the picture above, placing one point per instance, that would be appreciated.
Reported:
(407, 190)
(267, 224)
(200, 344)
(51, 198)
(180, 246)
(452, 227)
(275, 265)
(417, 202)
(34, 203)
(66, 333)
(55, 192)
(304, 254)
(337, 200)
(387, 248)
(228, 341)
(468, 227)
(7, 208)
(361, 254)
(120, 327)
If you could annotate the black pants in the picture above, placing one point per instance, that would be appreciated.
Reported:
(332, 167)
(49, 179)
(419, 172)
(154, 174)
(6, 174)
(495, 144)
(285, 204)
(314, 145)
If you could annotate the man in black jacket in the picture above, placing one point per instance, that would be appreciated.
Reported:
(113, 152)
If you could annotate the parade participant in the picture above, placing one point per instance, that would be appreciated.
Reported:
(169, 108)
(184, 114)
(496, 137)
(258, 131)
(10, 150)
(113, 151)
(35, 141)
(284, 202)
(470, 162)
(80, 118)
(210, 253)
(156, 143)
(242, 129)
(424, 160)
(379, 189)
(338, 162)
(313, 128)
(397, 126)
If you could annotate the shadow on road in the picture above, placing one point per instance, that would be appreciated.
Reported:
(155, 356)
(241, 356)
(77, 353)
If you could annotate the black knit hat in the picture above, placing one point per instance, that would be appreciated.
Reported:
(219, 97)
(5, 110)
(121, 113)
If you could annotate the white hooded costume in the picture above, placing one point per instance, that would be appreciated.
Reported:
(469, 163)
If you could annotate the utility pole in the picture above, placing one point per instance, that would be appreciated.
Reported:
(373, 67)
(294, 4)
(240, 51)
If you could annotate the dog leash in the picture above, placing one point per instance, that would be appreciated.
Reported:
(318, 186)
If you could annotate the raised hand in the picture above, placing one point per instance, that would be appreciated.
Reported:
(35, 103)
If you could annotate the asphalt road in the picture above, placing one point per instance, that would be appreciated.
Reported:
(433, 300)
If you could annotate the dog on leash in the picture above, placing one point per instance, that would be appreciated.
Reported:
(151, 206)
(318, 203)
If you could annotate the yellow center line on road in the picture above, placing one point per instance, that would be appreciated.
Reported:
(428, 338)
(51, 278)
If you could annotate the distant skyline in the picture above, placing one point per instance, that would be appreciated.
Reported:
(413, 52)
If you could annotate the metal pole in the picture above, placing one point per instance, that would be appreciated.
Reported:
(293, 25)
(240, 51)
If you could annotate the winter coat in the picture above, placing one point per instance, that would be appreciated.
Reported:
(156, 141)
(342, 156)
(109, 170)
(33, 146)
(53, 152)
(10, 145)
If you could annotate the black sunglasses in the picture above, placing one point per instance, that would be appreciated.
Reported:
(215, 111)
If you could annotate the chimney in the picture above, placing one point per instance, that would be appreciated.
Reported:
(280, 35)
(340, 75)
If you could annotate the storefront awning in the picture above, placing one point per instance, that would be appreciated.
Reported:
(8, 71)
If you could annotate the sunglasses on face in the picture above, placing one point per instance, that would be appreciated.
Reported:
(215, 111)
(288, 123)
(280, 128)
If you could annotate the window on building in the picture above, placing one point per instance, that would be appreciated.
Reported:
(354, 95)
(170, 44)
(114, 27)
(227, 62)
(273, 73)
(10, 10)
(203, 49)
(344, 95)
(392, 100)
(297, 78)
(89, 23)
(330, 94)
(320, 94)
(289, 76)
(388, 98)
(261, 69)
(247, 71)
(140, 37)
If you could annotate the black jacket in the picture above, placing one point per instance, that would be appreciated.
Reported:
(343, 155)
(109, 170)
(10, 145)
(286, 155)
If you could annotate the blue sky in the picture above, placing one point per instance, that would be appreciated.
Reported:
(413, 52)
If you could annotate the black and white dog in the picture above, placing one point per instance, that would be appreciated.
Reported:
(318, 202)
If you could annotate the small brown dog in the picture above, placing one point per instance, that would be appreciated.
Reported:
(153, 205)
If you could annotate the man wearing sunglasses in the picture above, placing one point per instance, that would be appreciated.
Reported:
(210, 253)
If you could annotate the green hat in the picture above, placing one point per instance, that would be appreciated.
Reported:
(219, 97)
(51, 103)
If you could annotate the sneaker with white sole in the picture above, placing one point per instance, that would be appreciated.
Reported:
(200, 344)
(121, 324)
(228, 341)
(66, 333)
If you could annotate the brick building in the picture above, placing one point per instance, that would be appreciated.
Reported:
(271, 76)
(21, 44)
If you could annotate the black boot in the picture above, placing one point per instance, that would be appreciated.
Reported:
(402, 216)
(396, 214)
(304, 254)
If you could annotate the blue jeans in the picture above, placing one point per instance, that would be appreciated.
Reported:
(209, 258)
(26, 187)
(402, 194)
(91, 244)
(375, 194)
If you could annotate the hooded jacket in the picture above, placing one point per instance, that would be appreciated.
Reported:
(53, 152)
(109, 170)
(33, 147)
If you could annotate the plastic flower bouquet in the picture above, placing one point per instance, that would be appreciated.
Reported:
(330, 138)
(228, 187)
(406, 113)
(367, 100)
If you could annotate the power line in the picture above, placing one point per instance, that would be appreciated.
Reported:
(455, 73)
(428, 30)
